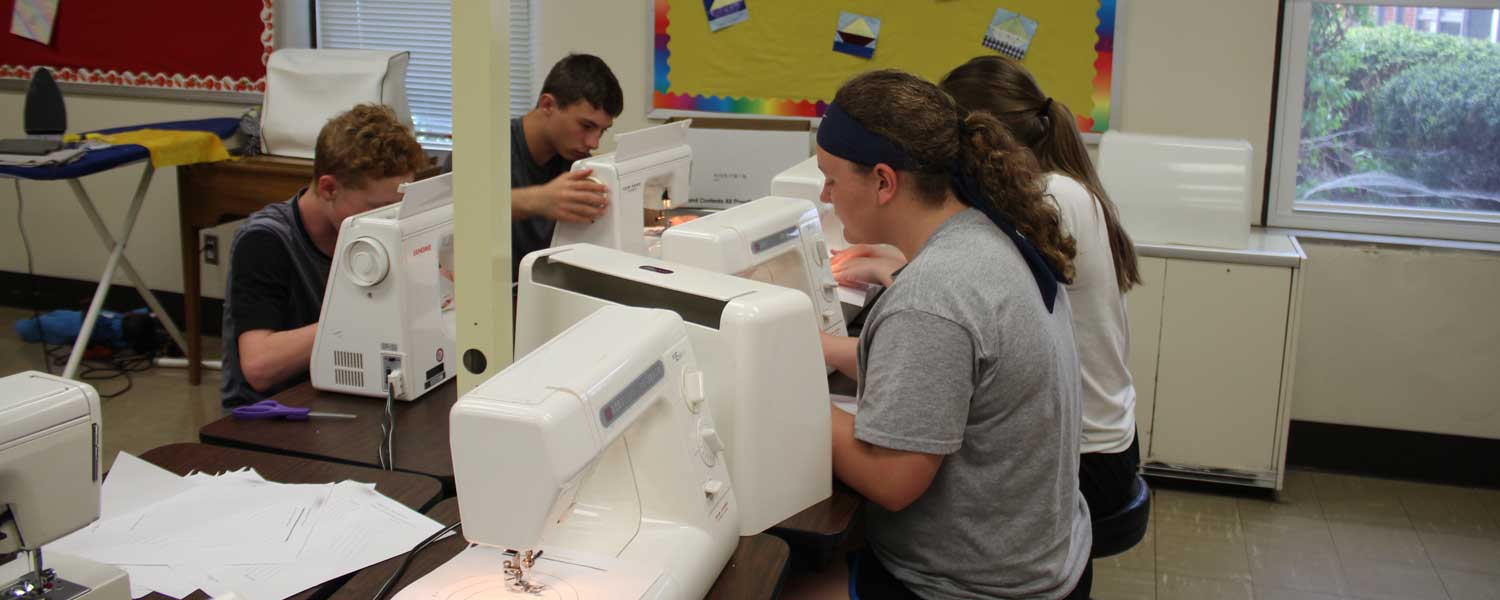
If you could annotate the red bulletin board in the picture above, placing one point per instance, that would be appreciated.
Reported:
(191, 45)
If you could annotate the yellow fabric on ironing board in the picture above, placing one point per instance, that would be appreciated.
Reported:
(169, 147)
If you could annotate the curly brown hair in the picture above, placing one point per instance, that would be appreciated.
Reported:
(924, 121)
(365, 143)
(1004, 88)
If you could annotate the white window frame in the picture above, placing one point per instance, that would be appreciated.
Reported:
(1330, 216)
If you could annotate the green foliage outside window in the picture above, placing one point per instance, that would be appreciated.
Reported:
(1396, 116)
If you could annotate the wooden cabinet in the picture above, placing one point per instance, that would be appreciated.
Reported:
(1212, 337)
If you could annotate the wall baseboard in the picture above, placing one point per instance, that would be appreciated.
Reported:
(59, 293)
(1414, 455)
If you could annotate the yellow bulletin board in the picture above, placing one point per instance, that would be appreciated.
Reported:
(780, 61)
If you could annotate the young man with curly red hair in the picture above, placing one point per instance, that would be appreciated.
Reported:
(281, 257)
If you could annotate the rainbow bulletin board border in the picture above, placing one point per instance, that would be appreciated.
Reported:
(1094, 119)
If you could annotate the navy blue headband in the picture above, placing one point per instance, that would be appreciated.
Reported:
(842, 136)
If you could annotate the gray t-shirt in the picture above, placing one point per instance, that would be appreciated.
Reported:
(960, 358)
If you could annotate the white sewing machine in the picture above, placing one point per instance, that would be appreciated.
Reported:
(648, 169)
(773, 239)
(603, 449)
(804, 180)
(49, 487)
(388, 310)
(758, 346)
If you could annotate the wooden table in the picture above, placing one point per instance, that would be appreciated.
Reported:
(414, 491)
(421, 431)
(755, 570)
(209, 194)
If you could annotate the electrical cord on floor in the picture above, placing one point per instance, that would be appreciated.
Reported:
(119, 366)
(390, 582)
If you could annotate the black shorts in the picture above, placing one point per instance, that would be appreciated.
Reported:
(1108, 480)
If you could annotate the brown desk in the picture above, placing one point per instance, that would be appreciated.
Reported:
(209, 194)
(755, 570)
(414, 491)
(421, 431)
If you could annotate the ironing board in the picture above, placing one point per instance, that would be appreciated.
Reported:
(97, 161)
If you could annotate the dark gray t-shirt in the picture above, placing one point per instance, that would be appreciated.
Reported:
(531, 233)
(277, 276)
(961, 358)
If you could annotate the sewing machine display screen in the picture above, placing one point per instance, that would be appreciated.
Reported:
(617, 406)
(774, 240)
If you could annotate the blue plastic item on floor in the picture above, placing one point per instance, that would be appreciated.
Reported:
(61, 327)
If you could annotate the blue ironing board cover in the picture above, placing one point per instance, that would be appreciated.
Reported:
(105, 159)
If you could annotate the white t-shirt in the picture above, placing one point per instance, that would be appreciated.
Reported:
(1099, 325)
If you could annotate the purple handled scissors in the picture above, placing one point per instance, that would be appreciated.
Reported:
(271, 409)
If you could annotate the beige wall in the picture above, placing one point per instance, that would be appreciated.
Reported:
(1199, 68)
(63, 244)
(619, 31)
(1400, 338)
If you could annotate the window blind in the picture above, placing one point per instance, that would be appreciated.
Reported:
(424, 28)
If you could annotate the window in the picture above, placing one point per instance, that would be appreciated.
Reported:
(424, 27)
(1388, 117)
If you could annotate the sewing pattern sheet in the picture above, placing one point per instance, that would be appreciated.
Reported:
(475, 574)
(236, 532)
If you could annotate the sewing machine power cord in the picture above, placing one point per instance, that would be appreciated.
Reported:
(390, 582)
(387, 450)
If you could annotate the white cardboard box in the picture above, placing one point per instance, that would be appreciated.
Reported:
(735, 159)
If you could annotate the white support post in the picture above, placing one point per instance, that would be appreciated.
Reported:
(481, 194)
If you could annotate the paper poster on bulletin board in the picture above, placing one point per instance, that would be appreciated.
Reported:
(190, 45)
(781, 59)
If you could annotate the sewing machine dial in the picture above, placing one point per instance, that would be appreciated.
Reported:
(367, 262)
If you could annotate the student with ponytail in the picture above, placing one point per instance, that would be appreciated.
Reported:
(966, 436)
(1106, 266)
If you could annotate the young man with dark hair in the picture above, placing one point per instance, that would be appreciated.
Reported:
(579, 102)
(280, 258)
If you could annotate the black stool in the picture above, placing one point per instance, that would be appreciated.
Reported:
(1121, 531)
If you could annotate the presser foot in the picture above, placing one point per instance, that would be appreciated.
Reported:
(48, 587)
(515, 571)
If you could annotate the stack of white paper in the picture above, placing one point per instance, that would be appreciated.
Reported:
(237, 532)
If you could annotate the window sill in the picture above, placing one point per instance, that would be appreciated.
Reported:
(1386, 240)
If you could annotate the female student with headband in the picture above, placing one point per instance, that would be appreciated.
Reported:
(966, 436)
(1106, 266)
